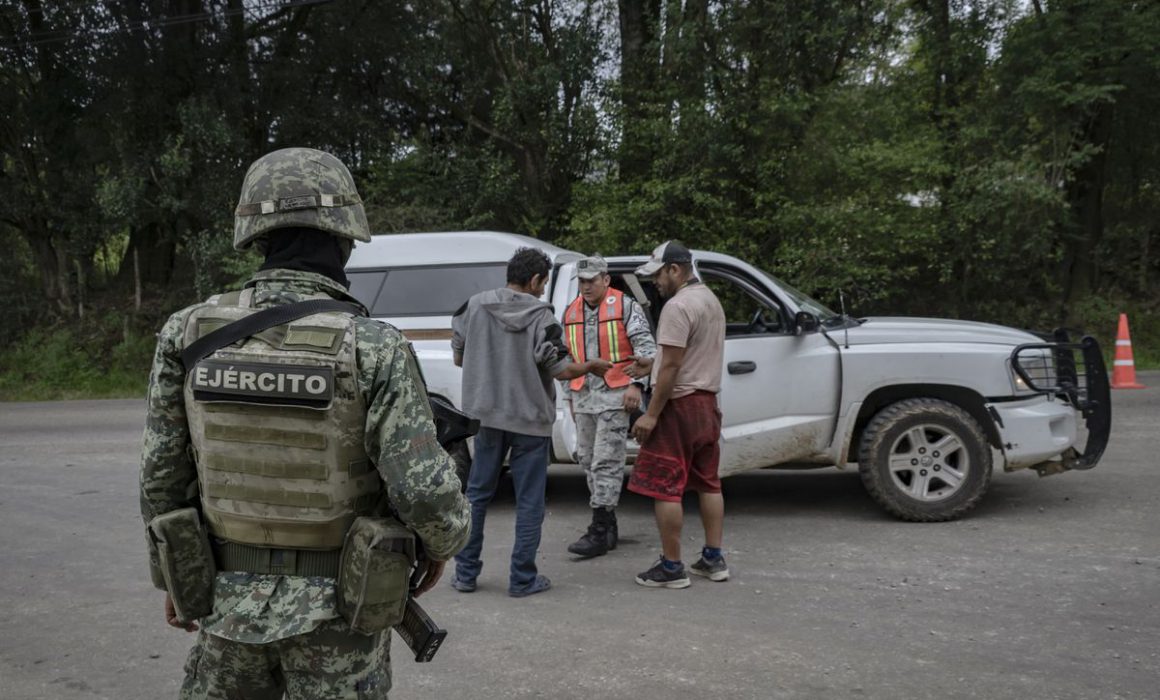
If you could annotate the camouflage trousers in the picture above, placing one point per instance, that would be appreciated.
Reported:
(330, 663)
(600, 442)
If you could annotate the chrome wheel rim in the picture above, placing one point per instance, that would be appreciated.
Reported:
(929, 463)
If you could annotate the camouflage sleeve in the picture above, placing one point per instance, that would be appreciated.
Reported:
(639, 334)
(400, 439)
(168, 474)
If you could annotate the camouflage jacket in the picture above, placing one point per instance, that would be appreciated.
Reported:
(417, 474)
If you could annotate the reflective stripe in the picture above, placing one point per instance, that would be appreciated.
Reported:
(279, 497)
(613, 341)
(1125, 363)
(1124, 342)
(574, 346)
(265, 436)
(261, 467)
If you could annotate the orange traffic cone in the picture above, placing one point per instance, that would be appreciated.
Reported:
(1124, 367)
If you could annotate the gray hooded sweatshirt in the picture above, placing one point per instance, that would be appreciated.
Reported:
(512, 347)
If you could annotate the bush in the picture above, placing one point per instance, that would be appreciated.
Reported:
(51, 364)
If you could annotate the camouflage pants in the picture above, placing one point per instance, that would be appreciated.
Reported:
(330, 663)
(600, 443)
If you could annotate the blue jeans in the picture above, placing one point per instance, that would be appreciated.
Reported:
(529, 467)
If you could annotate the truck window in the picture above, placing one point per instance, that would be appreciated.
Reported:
(365, 285)
(426, 291)
(745, 312)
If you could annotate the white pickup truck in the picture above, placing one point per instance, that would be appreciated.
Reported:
(924, 406)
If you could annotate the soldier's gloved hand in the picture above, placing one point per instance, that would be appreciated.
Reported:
(430, 576)
(171, 617)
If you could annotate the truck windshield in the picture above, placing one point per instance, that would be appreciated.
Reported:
(805, 302)
(423, 291)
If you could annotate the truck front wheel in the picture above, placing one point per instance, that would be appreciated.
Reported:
(925, 460)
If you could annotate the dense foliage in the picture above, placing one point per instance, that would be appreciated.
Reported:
(987, 159)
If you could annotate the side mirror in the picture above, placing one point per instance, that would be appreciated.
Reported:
(804, 322)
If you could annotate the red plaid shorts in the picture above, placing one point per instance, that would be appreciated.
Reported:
(683, 451)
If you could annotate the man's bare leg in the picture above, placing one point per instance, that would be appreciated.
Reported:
(712, 518)
(670, 516)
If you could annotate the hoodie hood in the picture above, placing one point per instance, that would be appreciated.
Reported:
(515, 311)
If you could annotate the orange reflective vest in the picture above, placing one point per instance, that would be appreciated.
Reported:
(612, 335)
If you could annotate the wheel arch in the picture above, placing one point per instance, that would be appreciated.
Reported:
(969, 400)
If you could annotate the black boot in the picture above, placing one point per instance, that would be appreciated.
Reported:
(595, 541)
(613, 533)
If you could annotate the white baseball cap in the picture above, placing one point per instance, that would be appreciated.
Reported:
(672, 251)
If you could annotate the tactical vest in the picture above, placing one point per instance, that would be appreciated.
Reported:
(610, 332)
(277, 424)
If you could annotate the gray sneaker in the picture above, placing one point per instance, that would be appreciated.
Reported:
(712, 569)
(660, 577)
(462, 585)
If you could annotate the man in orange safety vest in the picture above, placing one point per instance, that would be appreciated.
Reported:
(606, 323)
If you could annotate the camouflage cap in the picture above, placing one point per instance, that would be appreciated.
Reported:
(298, 187)
(591, 267)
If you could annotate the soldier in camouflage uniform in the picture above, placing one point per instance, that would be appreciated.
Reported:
(275, 628)
(603, 322)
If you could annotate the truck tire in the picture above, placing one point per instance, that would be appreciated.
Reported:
(925, 460)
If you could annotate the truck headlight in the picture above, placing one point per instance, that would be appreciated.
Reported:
(1039, 366)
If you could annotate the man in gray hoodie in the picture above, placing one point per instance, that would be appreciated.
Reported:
(511, 348)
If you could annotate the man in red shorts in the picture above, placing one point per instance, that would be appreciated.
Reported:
(679, 433)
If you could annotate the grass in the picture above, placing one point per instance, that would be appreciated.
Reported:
(65, 363)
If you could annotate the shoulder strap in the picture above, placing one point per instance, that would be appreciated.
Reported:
(258, 322)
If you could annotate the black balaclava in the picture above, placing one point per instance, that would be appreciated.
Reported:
(307, 250)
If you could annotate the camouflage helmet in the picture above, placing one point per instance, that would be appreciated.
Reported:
(298, 187)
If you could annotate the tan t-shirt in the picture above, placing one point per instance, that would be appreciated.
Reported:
(693, 319)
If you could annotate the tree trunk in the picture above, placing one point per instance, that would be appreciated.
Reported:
(136, 281)
(639, 67)
(63, 277)
(51, 264)
(153, 252)
(1086, 196)
(690, 61)
(944, 115)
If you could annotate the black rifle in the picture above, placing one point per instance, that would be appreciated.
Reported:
(417, 629)
(420, 632)
(451, 424)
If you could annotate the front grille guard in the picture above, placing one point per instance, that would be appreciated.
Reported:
(1077, 374)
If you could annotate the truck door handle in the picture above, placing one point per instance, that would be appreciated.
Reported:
(744, 367)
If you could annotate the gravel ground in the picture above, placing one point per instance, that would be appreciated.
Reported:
(1051, 589)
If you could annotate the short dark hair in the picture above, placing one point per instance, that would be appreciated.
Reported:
(526, 264)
